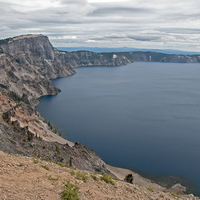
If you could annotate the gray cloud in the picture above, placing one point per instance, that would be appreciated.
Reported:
(106, 11)
(137, 23)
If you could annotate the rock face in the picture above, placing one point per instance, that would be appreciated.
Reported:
(27, 63)
(129, 178)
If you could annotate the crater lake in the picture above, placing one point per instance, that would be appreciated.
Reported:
(143, 116)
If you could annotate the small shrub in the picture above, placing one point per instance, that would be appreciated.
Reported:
(150, 189)
(70, 162)
(138, 185)
(35, 160)
(94, 176)
(45, 167)
(57, 150)
(82, 176)
(115, 178)
(43, 147)
(174, 194)
(36, 120)
(107, 178)
(52, 179)
(70, 192)
(61, 164)
(53, 161)
(72, 173)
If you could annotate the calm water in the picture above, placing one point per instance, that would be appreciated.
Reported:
(144, 116)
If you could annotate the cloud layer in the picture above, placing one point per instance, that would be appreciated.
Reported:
(152, 24)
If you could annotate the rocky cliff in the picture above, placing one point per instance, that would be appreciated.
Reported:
(27, 63)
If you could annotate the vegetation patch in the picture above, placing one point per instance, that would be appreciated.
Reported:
(45, 167)
(174, 194)
(52, 179)
(35, 161)
(82, 176)
(57, 150)
(150, 189)
(53, 161)
(107, 178)
(72, 172)
(70, 192)
(36, 120)
(61, 164)
(94, 176)
(138, 185)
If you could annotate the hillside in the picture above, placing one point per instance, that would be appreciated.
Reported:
(31, 178)
(27, 63)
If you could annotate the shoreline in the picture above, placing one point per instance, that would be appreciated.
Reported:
(118, 171)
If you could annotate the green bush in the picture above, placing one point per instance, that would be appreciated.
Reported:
(70, 192)
(45, 167)
(137, 184)
(61, 164)
(82, 176)
(72, 172)
(35, 160)
(174, 194)
(53, 161)
(94, 176)
(57, 150)
(107, 178)
(37, 120)
(150, 189)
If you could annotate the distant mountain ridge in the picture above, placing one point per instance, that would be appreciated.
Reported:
(126, 49)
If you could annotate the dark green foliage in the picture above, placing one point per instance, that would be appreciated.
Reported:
(94, 176)
(61, 164)
(107, 178)
(82, 176)
(17, 60)
(57, 150)
(37, 120)
(45, 167)
(70, 192)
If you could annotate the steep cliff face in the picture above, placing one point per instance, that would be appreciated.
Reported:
(27, 63)
(37, 44)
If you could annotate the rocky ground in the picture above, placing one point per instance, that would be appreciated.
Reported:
(26, 178)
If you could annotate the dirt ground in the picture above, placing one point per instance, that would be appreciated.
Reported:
(23, 178)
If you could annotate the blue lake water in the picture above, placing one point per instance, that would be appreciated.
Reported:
(143, 115)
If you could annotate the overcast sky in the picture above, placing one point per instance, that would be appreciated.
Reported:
(155, 24)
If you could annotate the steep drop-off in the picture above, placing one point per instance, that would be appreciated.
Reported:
(27, 63)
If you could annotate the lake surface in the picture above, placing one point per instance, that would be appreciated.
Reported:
(143, 115)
